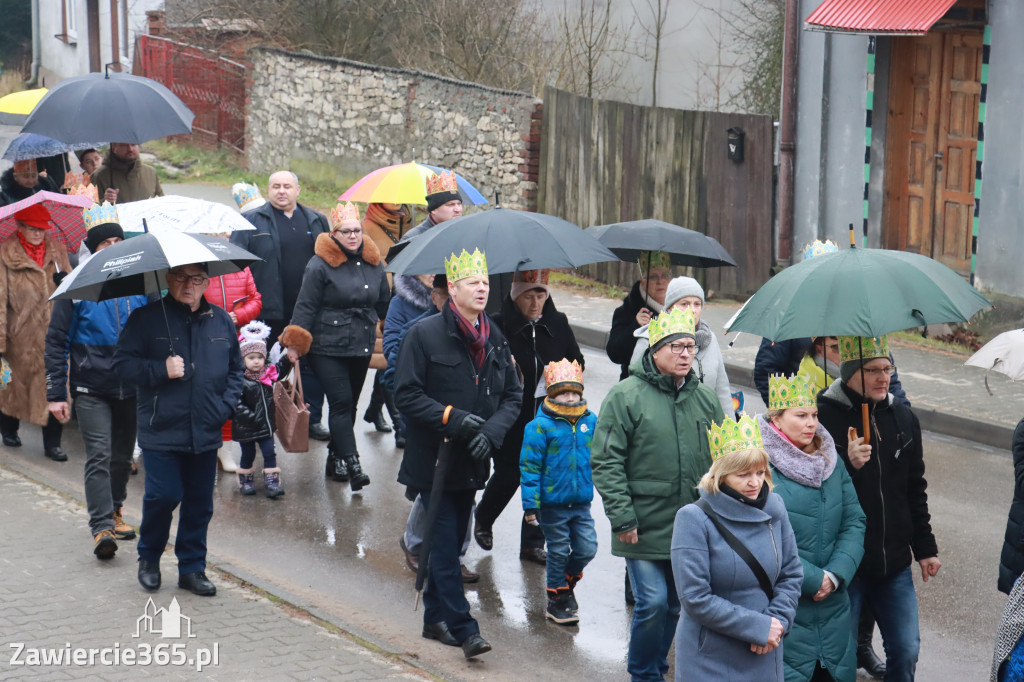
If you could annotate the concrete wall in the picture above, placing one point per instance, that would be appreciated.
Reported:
(359, 117)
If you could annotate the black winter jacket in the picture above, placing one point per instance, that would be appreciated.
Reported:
(343, 296)
(891, 486)
(435, 370)
(1011, 560)
(11, 192)
(254, 414)
(265, 243)
(620, 337)
(186, 414)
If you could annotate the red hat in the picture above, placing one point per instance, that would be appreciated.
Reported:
(35, 215)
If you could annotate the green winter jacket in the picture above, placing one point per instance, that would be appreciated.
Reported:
(650, 449)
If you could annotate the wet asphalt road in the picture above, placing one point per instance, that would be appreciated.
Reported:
(340, 551)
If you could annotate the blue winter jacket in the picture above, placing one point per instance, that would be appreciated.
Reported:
(88, 332)
(555, 460)
(186, 414)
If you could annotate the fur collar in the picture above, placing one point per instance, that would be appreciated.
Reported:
(15, 257)
(411, 289)
(794, 463)
(328, 249)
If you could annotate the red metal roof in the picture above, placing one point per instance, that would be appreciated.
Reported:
(905, 17)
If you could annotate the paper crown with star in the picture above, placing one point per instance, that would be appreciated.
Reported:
(679, 321)
(734, 436)
(247, 196)
(785, 393)
(563, 377)
(820, 248)
(344, 213)
(649, 260)
(862, 348)
(466, 265)
(100, 214)
(442, 182)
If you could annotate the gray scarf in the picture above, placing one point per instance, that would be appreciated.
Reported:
(794, 463)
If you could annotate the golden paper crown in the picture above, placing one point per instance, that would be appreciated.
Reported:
(72, 179)
(657, 259)
(99, 214)
(734, 437)
(532, 276)
(795, 391)
(679, 321)
(246, 194)
(442, 182)
(342, 213)
(862, 348)
(563, 372)
(87, 190)
(466, 265)
(820, 248)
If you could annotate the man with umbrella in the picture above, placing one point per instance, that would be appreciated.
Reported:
(188, 383)
(124, 178)
(455, 380)
(443, 203)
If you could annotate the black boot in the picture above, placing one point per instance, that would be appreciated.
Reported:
(375, 410)
(866, 657)
(357, 478)
(336, 468)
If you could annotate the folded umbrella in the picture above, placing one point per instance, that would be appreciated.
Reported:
(15, 107)
(32, 146)
(180, 214)
(405, 183)
(686, 247)
(65, 214)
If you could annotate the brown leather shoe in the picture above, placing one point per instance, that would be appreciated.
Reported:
(469, 576)
(411, 560)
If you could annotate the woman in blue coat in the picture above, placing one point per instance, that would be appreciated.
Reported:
(829, 527)
(730, 629)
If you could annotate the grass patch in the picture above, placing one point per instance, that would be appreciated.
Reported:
(915, 339)
(585, 285)
(10, 81)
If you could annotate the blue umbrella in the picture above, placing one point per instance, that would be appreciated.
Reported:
(467, 190)
(33, 146)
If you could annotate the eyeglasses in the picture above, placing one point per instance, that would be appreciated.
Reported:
(881, 371)
(181, 278)
(349, 233)
(658, 277)
(682, 348)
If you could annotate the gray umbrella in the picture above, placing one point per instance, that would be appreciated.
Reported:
(115, 106)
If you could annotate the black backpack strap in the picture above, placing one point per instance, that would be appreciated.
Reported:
(739, 548)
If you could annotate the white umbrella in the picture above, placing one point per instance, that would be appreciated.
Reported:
(180, 214)
(1003, 354)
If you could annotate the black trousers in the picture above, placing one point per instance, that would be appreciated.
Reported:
(342, 379)
(502, 486)
(51, 432)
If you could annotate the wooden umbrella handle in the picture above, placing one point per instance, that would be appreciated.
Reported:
(866, 423)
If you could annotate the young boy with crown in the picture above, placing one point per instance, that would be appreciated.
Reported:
(557, 484)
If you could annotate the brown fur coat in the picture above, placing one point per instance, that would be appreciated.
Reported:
(24, 319)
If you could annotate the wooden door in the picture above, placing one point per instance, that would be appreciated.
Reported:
(934, 92)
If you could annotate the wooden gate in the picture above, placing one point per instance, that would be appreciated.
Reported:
(605, 162)
(934, 94)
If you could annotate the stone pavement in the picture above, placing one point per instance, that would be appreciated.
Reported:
(947, 397)
(56, 598)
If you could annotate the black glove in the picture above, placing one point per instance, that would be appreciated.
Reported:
(469, 427)
(58, 277)
(479, 448)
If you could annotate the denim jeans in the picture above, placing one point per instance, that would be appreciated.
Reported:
(444, 598)
(654, 618)
(415, 526)
(342, 379)
(108, 432)
(572, 541)
(174, 478)
(895, 605)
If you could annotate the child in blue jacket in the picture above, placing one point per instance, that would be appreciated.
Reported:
(557, 484)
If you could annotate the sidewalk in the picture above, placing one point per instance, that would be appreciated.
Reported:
(56, 602)
(947, 397)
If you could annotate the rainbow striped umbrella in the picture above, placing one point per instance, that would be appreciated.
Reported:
(404, 183)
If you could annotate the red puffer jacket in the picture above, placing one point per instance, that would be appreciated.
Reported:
(236, 292)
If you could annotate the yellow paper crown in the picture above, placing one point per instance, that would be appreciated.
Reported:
(679, 321)
(246, 194)
(442, 182)
(649, 260)
(734, 437)
(466, 265)
(341, 213)
(863, 348)
(795, 391)
(99, 214)
(820, 248)
(563, 372)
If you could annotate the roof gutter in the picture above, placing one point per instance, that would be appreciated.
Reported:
(787, 132)
(36, 47)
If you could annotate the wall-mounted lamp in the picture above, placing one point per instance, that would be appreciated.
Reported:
(736, 137)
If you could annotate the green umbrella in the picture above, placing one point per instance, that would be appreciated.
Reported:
(858, 292)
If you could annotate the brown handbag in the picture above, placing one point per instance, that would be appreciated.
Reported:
(291, 414)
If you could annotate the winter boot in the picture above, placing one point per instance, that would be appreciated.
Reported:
(558, 607)
(572, 580)
(866, 656)
(337, 470)
(104, 544)
(272, 483)
(375, 410)
(245, 482)
(227, 462)
(122, 531)
(357, 479)
(389, 402)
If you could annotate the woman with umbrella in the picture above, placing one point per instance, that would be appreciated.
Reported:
(28, 262)
(646, 298)
(344, 294)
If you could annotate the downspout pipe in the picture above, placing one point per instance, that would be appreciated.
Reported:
(36, 47)
(787, 131)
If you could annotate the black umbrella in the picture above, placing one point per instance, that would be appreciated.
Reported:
(444, 457)
(686, 247)
(512, 240)
(115, 106)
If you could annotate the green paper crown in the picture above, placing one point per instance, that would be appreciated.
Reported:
(795, 391)
(654, 259)
(679, 321)
(466, 265)
(99, 214)
(862, 348)
(734, 437)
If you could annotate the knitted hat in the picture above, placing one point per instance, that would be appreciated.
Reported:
(681, 287)
(525, 280)
(252, 338)
(441, 189)
(854, 351)
(35, 215)
(563, 377)
(440, 282)
(101, 223)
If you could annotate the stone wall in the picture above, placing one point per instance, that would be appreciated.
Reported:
(357, 117)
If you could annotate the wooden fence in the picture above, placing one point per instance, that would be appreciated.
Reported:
(604, 162)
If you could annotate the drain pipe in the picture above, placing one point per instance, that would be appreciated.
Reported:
(36, 47)
(787, 132)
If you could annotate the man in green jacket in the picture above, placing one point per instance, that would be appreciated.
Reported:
(650, 449)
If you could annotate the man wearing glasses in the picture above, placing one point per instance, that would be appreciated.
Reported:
(182, 355)
(888, 474)
(650, 449)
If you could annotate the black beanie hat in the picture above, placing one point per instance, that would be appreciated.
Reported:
(439, 199)
(100, 233)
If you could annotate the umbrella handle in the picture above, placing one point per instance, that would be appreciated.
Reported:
(865, 417)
